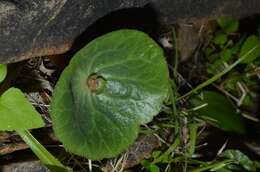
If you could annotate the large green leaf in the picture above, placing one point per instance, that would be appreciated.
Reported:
(17, 113)
(251, 43)
(3, 72)
(219, 109)
(114, 84)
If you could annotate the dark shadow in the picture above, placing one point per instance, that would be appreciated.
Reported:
(250, 25)
(143, 19)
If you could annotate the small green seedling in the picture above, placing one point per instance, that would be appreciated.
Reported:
(224, 50)
(228, 25)
(239, 159)
(228, 161)
(17, 114)
(223, 54)
(114, 84)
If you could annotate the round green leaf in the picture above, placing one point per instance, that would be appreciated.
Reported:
(3, 72)
(17, 113)
(114, 84)
(220, 39)
(228, 24)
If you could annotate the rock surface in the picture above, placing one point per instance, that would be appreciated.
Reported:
(30, 28)
(189, 10)
(30, 166)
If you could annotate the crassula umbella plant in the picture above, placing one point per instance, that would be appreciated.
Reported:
(112, 86)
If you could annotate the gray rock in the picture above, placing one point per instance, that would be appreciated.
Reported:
(30, 166)
(30, 28)
(174, 11)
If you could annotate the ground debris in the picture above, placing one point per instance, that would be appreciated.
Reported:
(139, 151)
(29, 166)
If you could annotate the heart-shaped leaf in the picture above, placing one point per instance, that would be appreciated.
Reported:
(3, 72)
(111, 86)
(17, 113)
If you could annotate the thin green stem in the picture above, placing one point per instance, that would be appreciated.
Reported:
(174, 108)
(46, 158)
(213, 165)
(193, 135)
(173, 97)
(173, 87)
(168, 151)
(219, 75)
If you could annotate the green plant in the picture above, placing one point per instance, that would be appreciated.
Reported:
(227, 51)
(120, 81)
(229, 160)
(224, 54)
(114, 84)
(21, 120)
